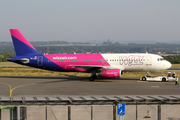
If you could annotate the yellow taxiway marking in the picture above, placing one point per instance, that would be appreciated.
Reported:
(141, 81)
(11, 90)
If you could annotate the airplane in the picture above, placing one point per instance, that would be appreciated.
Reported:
(99, 65)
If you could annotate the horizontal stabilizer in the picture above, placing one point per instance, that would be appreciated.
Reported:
(23, 60)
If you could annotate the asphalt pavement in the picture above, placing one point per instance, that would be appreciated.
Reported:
(50, 86)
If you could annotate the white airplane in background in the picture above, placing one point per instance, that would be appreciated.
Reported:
(105, 65)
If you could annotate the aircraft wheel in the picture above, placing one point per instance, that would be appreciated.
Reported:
(91, 79)
(164, 79)
(143, 78)
(95, 76)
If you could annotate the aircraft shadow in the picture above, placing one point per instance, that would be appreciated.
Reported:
(69, 78)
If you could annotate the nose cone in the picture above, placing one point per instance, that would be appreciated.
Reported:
(167, 65)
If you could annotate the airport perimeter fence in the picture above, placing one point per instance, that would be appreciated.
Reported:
(96, 108)
(133, 112)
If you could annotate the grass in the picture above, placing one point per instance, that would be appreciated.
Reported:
(36, 72)
(154, 73)
(10, 64)
(39, 72)
(175, 66)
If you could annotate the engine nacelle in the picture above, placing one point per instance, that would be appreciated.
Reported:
(110, 73)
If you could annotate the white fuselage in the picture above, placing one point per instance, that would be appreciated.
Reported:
(137, 62)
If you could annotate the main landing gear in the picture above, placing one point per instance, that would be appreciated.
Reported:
(148, 73)
(93, 76)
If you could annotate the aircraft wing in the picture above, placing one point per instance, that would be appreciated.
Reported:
(86, 66)
(89, 67)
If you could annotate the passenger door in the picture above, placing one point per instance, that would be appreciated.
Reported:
(148, 60)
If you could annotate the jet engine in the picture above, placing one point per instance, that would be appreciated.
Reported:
(110, 73)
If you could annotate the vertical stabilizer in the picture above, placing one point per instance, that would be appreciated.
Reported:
(21, 44)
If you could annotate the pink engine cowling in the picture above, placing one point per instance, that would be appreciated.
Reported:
(110, 73)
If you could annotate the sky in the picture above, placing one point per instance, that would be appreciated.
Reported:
(91, 20)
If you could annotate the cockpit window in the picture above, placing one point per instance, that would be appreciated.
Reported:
(160, 59)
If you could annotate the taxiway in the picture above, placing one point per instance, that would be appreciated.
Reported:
(48, 86)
